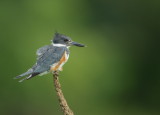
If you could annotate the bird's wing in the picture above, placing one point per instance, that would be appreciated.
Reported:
(48, 57)
(42, 50)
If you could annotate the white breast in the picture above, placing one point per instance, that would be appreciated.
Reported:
(67, 57)
(60, 63)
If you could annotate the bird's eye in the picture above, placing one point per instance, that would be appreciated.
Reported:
(66, 40)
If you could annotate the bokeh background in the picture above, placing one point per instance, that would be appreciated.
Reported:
(117, 74)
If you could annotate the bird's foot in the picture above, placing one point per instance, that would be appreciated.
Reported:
(56, 73)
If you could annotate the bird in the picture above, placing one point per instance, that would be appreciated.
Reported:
(51, 58)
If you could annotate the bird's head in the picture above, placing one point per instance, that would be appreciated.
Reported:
(62, 40)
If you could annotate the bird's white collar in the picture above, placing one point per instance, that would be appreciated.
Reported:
(59, 45)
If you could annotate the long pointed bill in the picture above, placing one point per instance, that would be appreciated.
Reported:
(77, 44)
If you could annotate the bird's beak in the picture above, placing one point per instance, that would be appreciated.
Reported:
(77, 44)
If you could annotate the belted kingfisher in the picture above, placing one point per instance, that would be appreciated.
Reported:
(52, 57)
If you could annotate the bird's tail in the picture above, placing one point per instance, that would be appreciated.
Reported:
(30, 71)
(29, 77)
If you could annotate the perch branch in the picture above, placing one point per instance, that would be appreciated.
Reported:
(62, 101)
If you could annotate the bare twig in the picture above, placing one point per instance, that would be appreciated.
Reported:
(62, 101)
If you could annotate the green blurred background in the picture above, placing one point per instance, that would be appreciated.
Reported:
(117, 74)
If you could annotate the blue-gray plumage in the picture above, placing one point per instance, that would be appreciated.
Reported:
(51, 57)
